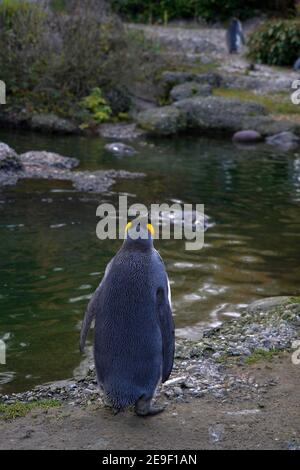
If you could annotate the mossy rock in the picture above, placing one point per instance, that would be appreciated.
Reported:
(189, 90)
(163, 121)
(53, 124)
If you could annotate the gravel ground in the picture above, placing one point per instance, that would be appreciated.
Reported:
(236, 388)
(204, 367)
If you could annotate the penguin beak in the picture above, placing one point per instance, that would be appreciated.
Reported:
(151, 229)
(128, 226)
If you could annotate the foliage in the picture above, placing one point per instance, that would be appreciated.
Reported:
(210, 10)
(262, 355)
(276, 42)
(149, 10)
(52, 58)
(96, 108)
(20, 409)
(21, 44)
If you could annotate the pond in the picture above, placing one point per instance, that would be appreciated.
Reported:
(51, 260)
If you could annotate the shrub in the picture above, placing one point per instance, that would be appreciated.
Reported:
(276, 42)
(23, 52)
(149, 10)
(52, 58)
(95, 109)
(210, 10)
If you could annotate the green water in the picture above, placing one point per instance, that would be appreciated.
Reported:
(51, 260)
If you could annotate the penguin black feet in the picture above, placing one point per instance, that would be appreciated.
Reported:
(143, 407)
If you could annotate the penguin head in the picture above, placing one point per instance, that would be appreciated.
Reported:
(139, 235)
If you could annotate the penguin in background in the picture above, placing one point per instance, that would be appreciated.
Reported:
(134, 330)
(235, 36)
(297, 65)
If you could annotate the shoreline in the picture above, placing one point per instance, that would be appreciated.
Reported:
(266, 330)
(234, 400)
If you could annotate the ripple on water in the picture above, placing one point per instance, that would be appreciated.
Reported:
(6, 377)
(80, 298)
(182, 265)
(85, 287)
(58, 225)
(213, 289)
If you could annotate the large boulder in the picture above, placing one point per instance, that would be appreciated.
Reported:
(213, 115)
(53, 124)
(217, 114)
(267, 126)
(257, 84)
(119, 131)
(9, 160)
(49, 160)
(170, 79)
(163, 121)
(189, 90)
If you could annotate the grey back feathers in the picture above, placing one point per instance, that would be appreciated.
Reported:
(134, 328)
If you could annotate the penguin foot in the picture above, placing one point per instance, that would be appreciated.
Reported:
(143, 407)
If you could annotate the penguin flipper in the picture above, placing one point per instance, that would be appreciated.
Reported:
(88, 318)
(167, 331)
(92, 309)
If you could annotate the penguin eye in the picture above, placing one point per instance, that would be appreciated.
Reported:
(151, 229)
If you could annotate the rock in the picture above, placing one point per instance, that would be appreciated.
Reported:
(287, 140)
(48, 159)
(170, 79)
(120, 150)
(163, 121)
(247, 136)
(217, 114)
(216, 433)
(9, 160)
(47, 165)
(122, 131)
(260, 85)
(190, 89)
(267, 126)
(53, 124)
(265, 305)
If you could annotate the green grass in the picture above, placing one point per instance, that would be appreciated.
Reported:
(19, 409)
(196, 67)
(261, 355)
(277, 103)
(294, 300)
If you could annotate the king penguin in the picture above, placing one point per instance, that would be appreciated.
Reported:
(235, 36)
(134, 329)
(297, 65)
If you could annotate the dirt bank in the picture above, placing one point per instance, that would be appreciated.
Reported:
(196, 423)
(236, 388)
